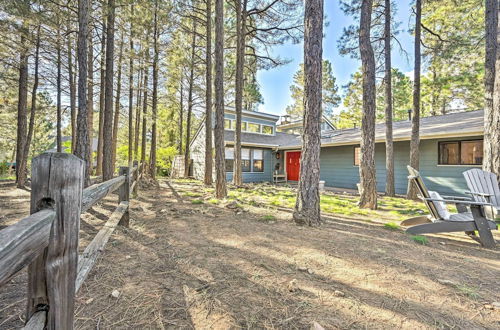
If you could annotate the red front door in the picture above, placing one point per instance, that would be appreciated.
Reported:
(293, 165)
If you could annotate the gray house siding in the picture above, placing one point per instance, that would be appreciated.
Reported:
(198, 154)
(266, 176)
(338, 170)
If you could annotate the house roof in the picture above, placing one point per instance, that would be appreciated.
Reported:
(460, 124)
(252, 139)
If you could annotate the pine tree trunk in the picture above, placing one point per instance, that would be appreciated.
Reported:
(131, 90)
(152, 157)
(415, 121)
(145, 106)
(138, 103)
(187, 156)
(23, 171)
(490, 108)
(241, 6)
(100, 142)
(107, 154)
(492, 161)
(22, 105)
(90, 95)
(72, 90)
(83, 143)
(307, 206)
(220, 183)
(116, 118)
(181, 117)
(208, 180)
(389, 144)
(368, 198)
(59, 92)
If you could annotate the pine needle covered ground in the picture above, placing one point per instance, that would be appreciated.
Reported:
(191, 261)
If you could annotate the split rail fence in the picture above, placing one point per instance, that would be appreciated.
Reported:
(47, 241)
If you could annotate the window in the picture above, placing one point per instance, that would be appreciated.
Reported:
(253, 128)
(258, 160)
(267, 130)
(228, 124)
(244, 127)
(252, 160)
(461, 153)
(245, 160)
(357, 151)
(229, 156)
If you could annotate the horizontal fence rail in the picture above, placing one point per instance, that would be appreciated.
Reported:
(47, 240)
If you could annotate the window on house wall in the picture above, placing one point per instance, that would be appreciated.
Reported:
(229, 156)
(258, 160)
(461, 152)
(228, 124)
(245, 160)
(244, 127)
(357, 152)
(253, 128)
(266, 129)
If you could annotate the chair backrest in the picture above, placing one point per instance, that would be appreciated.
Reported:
(483, 182)
(416, 179)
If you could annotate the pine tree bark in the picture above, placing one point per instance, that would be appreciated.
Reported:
(22, 104)
(307, 206)
(187, 156)
(208, 179)
(72, 89)
(131, 89)
(107, 164)
(220, 183)
(492, 92)
(154, 105)
(59, 92)
(100, 142)
(23, 171)
(389, 143)
(241, 9)
(90, 92)
(116, 118)
(83, 143)
(145, 105)
(137, 126)
(368, 198)
(181, 116)
(415, 121)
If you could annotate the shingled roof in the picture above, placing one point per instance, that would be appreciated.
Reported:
(272, 141)
(460, 124)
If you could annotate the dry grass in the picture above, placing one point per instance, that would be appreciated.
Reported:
(207, 266)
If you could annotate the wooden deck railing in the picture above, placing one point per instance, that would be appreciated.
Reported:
(47, 240)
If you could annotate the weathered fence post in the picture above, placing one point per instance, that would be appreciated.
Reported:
(57, 182)
(124, 193)
(136, 177)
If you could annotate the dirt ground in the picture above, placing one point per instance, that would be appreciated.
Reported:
(187, 265)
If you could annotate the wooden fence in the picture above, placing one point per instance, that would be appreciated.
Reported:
(47, 240)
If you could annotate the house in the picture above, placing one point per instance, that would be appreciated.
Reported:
(450, 144)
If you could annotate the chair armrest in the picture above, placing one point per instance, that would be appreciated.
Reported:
(478, 193)
(452, 201)
(457, 198)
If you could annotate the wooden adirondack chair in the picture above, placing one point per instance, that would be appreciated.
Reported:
(465, 221)
(483, 187)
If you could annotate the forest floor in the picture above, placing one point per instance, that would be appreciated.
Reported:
(190, 261)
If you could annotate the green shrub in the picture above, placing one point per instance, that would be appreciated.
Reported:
(391, 226)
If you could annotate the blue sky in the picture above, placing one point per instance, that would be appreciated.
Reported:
(275, 83)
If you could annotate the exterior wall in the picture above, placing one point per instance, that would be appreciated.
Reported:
(198, 154)
(338, 170)
(266, 176)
